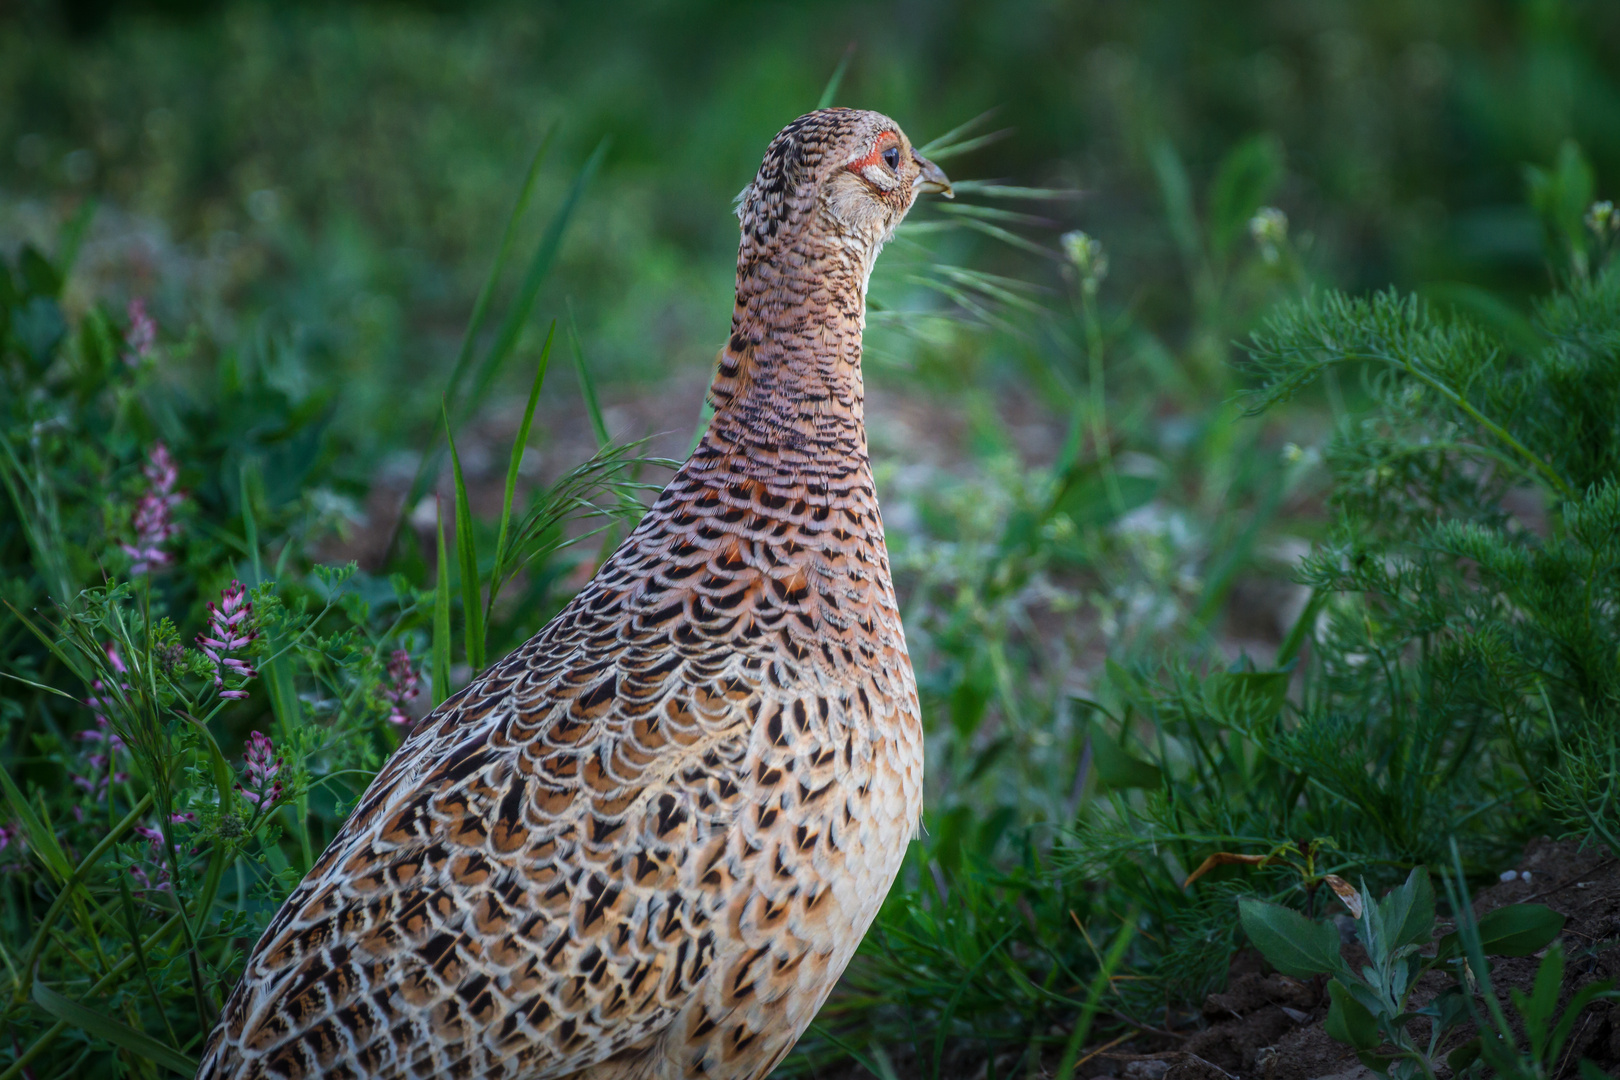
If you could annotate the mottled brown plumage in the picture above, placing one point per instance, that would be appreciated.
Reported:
(645, 844)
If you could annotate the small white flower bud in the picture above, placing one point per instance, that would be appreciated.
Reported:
(1602, 218)
(1269, 227)
(1088, 257)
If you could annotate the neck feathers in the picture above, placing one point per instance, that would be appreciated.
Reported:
(789, 378)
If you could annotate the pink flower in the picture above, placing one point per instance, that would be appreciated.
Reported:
(261, 788)
(102, 732)
(229, 629)
(99, 705)
(153, 520)
(102, 762)
(8, 834)
(141, 335)
(147, 881)
(407, 684)
(97, 784)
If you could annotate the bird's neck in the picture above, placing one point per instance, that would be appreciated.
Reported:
(788, 393)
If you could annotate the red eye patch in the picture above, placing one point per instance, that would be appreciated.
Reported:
(889, 140)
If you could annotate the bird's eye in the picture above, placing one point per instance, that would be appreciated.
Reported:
(891, 157)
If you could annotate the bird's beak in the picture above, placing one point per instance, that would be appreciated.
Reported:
(932, 178)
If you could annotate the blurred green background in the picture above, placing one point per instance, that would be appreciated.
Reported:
(347, 168)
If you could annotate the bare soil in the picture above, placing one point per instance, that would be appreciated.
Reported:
(1266, 1026)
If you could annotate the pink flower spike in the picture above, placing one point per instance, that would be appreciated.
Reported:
(153, 520)
(142, 333)
(406, 685)
(229, 629)
(261, 788)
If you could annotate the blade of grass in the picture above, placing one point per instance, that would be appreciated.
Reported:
(1094, 996)
(441, 619)
(126, 901)
(250, 524)
(587, 387)
(933, 146)
(511, 327)
(41, 529)
(967, 145)
(50, 643)
(71, 237)
(1176, 190)
(486, 293)
(539, 267)
(992, 190)
(472, 608)
(837, 79)
(519, 444)
(1009, 238)
(480, 312)
(995, 213)
(871, 1066)
(114, 1031)
(41, 838)
(50, 1034)
(943, 1027)
(70, 880)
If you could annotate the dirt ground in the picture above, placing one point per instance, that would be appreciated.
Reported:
(1266, 1026)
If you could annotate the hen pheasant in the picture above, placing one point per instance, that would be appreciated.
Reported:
(646, 844)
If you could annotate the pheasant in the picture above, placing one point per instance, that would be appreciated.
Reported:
(645, 844)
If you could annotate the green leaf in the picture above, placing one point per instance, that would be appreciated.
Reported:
(831, 90)
(587, 385)
(487, 291)
(441, 620)
(1085, 498)
(1254, 697)
(1407, 912)
(102, 1026)
(1378, 1065)
(223, 780)
(1176, 190)
(1464, 1056)
(539, 267)
(1349, 1021)
(1293, 944)
(511, 328)
(1585, 996)
(519, 444)
(472, 601)
(1560, 196)
(1538, 1007)
(1519, 929)
(1246, 178)
(41, 278)
(1117, 768)
(40, 837)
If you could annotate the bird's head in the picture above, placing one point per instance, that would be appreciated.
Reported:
(850, 172)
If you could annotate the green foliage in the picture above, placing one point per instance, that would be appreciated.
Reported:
(1369, 1009)
(142, 854)
(1546, 1028)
